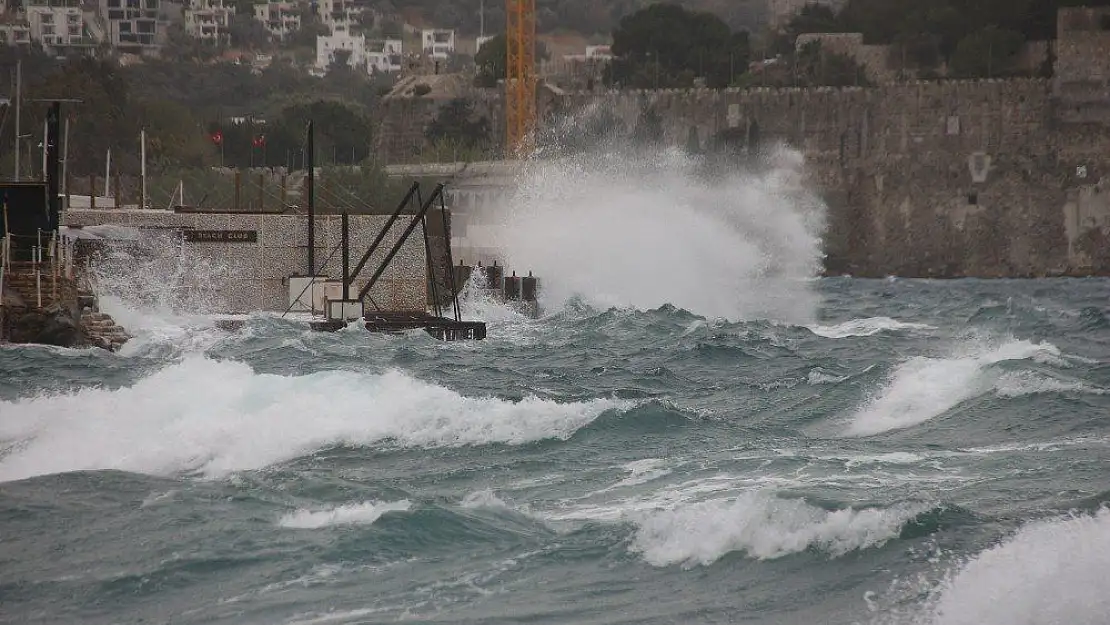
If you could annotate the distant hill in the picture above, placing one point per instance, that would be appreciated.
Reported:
(585, 17)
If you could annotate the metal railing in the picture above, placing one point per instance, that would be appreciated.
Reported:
(51, 260)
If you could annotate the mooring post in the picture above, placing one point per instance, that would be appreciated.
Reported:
(92, 190)
(346, 237)
(284, 194)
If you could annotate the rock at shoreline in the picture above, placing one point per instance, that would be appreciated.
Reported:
(52, 325)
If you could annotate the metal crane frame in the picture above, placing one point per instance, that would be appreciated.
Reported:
(520, 77)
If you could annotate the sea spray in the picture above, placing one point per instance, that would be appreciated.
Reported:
(152, 273)
(624, 227)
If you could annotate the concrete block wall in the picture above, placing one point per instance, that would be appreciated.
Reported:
(253, 276)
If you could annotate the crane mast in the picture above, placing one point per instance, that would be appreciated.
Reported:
(520, 83)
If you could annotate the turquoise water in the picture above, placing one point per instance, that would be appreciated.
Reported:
(920, 452)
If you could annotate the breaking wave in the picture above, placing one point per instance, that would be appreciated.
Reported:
(352, 514)
(200, 415)
(763, 527)
(923, 388)
(1051, 572)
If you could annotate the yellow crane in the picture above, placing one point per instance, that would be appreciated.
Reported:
(520, 77)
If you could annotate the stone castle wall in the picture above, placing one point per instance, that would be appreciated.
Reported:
(983, 178)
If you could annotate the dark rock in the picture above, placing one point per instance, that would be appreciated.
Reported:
(53, 325)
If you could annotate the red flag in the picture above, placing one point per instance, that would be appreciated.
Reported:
(260, 141)
(217, 137)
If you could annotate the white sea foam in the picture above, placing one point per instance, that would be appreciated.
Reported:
(866, 327)
(816, 377)
(1022, 383)
(1052, 572)
(640, 472)
(484, 499)
(622, 229)
(761, 526)
(352, 514)
(200, 415)
(923, 388)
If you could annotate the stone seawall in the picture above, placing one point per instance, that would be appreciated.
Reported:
(945, 179)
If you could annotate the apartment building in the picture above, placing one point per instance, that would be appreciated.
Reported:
(281, 19)
(208, 20)
(55, 23)
(328, 45)
(14, 31)
(384, 56)
(133, 25)
(438, 43)
(338, 15)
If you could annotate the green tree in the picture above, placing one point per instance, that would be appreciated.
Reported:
(247, 32)
(458, 123)
(491, 60)
(175, 139)
(341, 63)
(665, 45)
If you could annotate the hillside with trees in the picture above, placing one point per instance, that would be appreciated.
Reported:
(587, 17)
(975, 38)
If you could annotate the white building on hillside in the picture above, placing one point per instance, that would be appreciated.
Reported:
(438, 43)
(385, 56)
(328, 45)
(55, 23)
(208, 20)
(281, 19)
(338, 15)
(133, 25)
(14, 31)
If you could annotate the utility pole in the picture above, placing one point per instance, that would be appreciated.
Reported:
(18, 98)
(311, 158)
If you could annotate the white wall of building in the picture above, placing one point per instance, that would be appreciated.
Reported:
(385, 56)
(133, 24)
(55, 22)
(438, 43)
(281, 19)
(327, 45)
(208, 20)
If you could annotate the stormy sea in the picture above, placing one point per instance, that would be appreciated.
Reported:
(697, 429)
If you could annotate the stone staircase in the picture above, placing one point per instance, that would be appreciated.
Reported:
(103, 331)
(64, 303)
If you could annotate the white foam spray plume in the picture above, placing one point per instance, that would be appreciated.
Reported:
(160, 295)
(626, 227)
(152, 273)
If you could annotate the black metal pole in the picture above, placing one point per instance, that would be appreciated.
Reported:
(450, 261)
(53, 142)
(401, 241)
(346, 258)
(431, 269)
(311, 201)
(381, 235)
